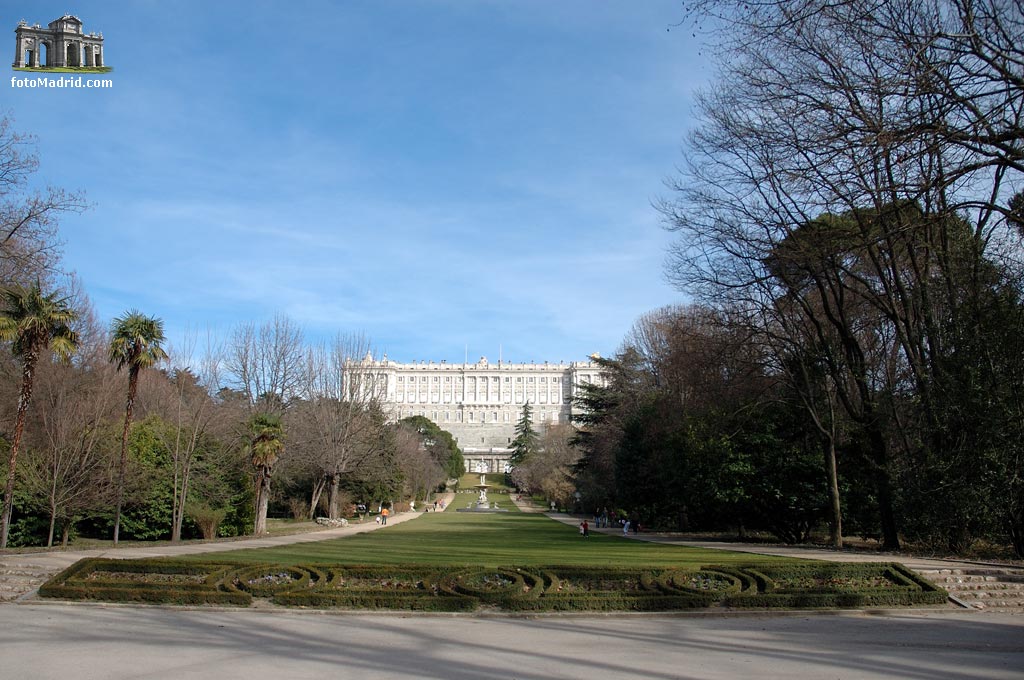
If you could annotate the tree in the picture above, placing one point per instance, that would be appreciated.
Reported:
(267, 365)
(266, 442)
(67, 472)
(440, 444)
(29, 246)
(135, 343)
(852, 166)
(33, 323)
(526, 441)
(184, 400)
(339, 396)
(551, 472)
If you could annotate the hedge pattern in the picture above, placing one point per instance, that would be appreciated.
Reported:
(526, 589)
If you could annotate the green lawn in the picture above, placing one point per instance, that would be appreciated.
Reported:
(495, 482)
(512, 538)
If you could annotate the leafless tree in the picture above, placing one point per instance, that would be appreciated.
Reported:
(29, 244)
(341, 394)
(183, 397)
(68, 470)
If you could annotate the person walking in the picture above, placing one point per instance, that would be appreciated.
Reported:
(384, 512)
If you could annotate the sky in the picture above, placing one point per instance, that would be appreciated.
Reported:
(449, 178)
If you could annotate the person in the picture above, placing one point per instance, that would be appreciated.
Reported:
(625, 528)
(435, 506)
(582, 530)
(586, 529)
(634, 522)
(384, 512)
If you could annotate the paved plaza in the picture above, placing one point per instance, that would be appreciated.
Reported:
(93, 642)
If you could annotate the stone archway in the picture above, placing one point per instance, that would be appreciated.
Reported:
(73, 54)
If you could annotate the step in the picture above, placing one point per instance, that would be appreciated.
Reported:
(990, 588)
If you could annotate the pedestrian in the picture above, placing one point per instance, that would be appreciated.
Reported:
(634, 521)
(586, 529)
(625, 528)
(384, 512)
(435, 506)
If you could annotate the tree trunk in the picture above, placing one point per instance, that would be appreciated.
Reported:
(133, 382)
(262, 502)
(314, 501)
(332, 497)
(65, 533)
(883, 486)
(53, 521)
(24, 397)
(836, 526)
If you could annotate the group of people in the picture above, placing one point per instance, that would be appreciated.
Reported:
(605, 518)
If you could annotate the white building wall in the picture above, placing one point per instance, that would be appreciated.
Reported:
(480, 403)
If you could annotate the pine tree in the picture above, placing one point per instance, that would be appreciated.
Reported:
(526, 442)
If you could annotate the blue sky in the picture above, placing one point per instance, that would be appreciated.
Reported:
(432, 173)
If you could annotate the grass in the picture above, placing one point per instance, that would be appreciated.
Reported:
(65, 69)
(512, 538)
(495, 482)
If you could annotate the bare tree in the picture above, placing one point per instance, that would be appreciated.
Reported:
(342, 392)
(68, 472)
(184, 400)
(29, 244)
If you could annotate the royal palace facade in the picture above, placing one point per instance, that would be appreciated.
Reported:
(480, 403)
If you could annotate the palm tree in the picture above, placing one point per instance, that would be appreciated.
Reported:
(135, 342)
(265, 446)
(33, 323)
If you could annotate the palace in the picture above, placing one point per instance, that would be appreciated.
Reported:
(480, 403)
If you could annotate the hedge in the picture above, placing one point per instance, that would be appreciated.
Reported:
(535, 589)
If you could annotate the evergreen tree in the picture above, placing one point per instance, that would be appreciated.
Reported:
(526, 441)
(37, 325)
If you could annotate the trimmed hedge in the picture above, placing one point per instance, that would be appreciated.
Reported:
(95, 579)
(535, 589)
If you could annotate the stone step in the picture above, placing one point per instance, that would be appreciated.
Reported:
(1000, 573)
(993, 587)
(989, 594)
(966, 579)
(982, 588)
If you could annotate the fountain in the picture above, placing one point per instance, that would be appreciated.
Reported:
(482, 504)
